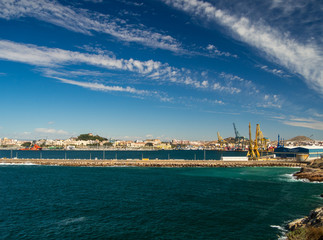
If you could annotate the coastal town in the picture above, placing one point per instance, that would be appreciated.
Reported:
(90, 141)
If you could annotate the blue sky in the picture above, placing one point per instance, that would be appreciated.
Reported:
(166, 69)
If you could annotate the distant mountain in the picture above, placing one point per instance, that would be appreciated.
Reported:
(300, 139)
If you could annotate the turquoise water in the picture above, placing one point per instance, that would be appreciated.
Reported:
(46, 202)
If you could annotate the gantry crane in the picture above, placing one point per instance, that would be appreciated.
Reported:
(221, 140)
(257, 139)
(251, 153)
(238, 139)
(263, 141)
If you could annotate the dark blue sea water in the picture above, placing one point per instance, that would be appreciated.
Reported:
(112, 154)
(47, 202)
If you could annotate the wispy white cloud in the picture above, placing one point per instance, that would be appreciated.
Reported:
(306, 123)
(313, 112)
(229, 89)
(236, 84)
(279, 117)
(94, 1)
(50, 131)
(95, 86)
(190, 101)
(277, 72)
(232, 77)
(214, 51)
(86, 22)
(270, 101)
(303, 59)
(105, 88)
(51, 58)
(75, 73)
(149, 136)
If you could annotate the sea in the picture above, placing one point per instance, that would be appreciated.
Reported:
(52, 202)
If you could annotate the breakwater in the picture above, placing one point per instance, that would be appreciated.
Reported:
(153, 163)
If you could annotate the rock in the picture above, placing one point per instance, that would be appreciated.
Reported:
(312, 174)
(321, 195)
(298, 223)
(315, 219)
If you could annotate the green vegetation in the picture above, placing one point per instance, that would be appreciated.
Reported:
(92, 145)
(26, 144)
(149, 145)
(108, 144)
(306, 233)
(86, 137)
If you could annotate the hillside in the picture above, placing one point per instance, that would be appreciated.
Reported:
(90, 136)
(300, 139)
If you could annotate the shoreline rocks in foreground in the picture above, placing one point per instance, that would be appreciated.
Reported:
(312, 172)
(310, 227)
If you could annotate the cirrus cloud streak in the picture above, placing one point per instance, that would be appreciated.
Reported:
(303, 59)
(86, 22)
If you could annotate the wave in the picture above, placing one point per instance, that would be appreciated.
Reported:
(17, 164)
(282, 230)
(69, 221)
(318, 197)
(289, 177)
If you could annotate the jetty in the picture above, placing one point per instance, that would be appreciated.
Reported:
(153, 163)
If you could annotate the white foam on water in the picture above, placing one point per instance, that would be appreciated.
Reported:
(282, 230)
(282, 238)
(318, 197)
(68, 221)
(290, 178)
(18, 164)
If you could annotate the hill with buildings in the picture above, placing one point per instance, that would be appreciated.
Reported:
(300, 139)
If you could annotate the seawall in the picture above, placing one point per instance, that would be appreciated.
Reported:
(153, 163)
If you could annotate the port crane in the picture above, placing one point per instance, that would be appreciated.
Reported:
(280, 142)
(263, 142)
(253, 152)
(257, 140)
(238, 139)
(221, 140)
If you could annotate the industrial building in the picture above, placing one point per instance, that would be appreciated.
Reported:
(300, 153)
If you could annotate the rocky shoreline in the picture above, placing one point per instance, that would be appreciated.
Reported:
(310, 227)
(313, 172)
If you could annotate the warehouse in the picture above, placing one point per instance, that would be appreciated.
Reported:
(303, 152)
